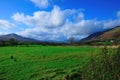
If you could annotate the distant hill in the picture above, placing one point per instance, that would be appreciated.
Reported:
(113, 33)
(17, 38)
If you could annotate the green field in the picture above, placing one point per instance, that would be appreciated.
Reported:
(43, 62)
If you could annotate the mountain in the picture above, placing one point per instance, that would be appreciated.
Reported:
(16, 38)
(113, 33)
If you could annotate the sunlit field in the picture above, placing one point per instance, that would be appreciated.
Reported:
(43, 62)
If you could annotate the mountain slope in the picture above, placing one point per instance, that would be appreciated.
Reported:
(16, 37)
(113, 33)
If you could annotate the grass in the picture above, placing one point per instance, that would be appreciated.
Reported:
(44, 62)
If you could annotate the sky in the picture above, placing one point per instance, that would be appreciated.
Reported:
(58, 20)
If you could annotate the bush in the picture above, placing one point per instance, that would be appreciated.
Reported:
(104, 66)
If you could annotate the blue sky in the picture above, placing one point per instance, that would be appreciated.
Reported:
(58, 20)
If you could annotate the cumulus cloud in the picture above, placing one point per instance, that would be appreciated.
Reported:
(4, 24)
(60, 25)
(55, 18)
(41, 3)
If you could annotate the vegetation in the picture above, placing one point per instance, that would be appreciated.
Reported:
(12, 42)
(71, 40)
(104, 66)
(42, 62)
(59, 63)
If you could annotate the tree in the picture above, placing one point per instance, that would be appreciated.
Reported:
(12, 42)
(71, 40)
(2, 43)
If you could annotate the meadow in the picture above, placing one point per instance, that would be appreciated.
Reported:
(44, 62)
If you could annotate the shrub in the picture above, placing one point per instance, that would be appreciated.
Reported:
(104, 66)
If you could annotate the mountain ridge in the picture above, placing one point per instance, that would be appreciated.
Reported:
(17, 38)
(113, 33)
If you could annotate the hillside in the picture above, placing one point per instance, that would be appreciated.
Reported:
(16, 38)
(113, 33)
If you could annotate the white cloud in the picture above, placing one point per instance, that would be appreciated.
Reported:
(80, 29)
(4, 24)
(60, 24)
(111, 23)
(118, 14)
(41, 3)
(55, 18)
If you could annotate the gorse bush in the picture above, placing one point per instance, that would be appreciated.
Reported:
(105, 66)
(116, 63)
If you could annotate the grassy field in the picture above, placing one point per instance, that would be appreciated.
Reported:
(43, 62)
